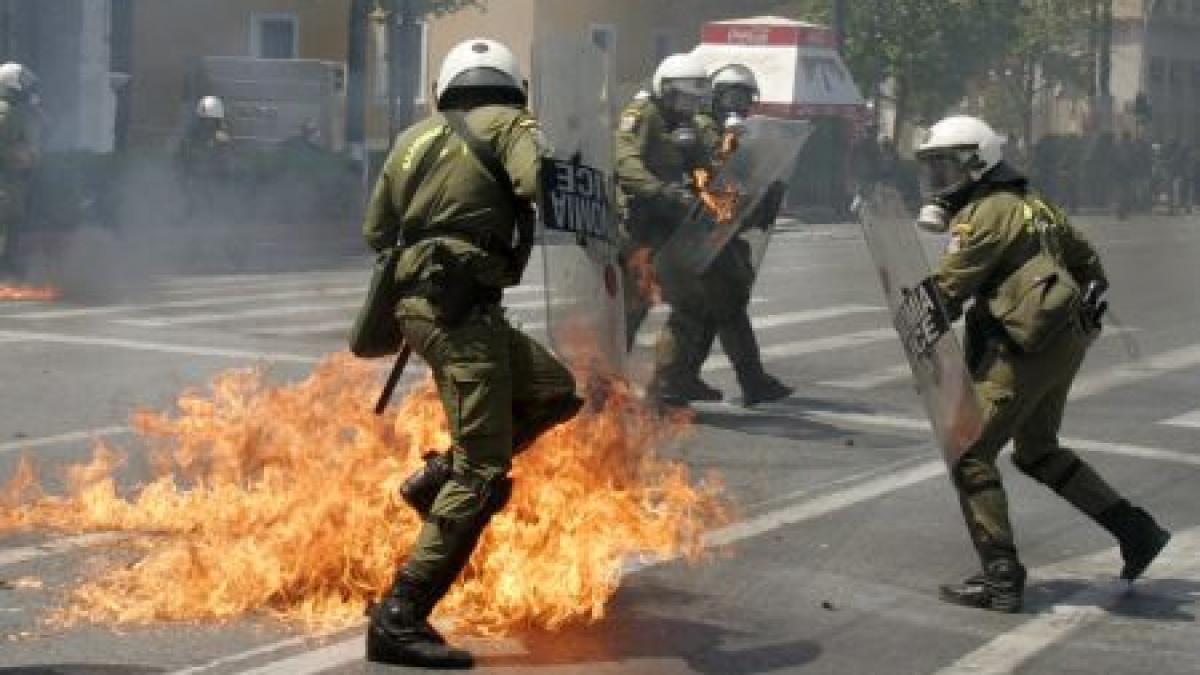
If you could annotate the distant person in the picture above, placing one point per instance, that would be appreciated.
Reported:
(205, 157)
(19, 154)
(307, 139)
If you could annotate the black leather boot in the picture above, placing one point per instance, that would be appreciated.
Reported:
(1140, 537)
(999, 587)
(421, 489)
(399, 633)
(696, 389)
(763, 388)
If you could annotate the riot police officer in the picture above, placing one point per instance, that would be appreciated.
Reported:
(19, 152)
(657, 149)
(205, 160)
(1024, 267)
(729, 280)
(455, 224)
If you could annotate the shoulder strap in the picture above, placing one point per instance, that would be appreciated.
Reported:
(427, 159)
(482, 151)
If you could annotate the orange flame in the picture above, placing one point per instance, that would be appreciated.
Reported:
(641, 265)
(29, 293)
(282, 499)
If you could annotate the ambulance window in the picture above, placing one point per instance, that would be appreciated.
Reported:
(274, 35)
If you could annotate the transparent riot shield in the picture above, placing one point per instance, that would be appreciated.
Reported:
(933, 351)
(754, 177)
(584, 302)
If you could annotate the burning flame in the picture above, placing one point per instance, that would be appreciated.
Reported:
(283, 499)
(641, 265)
(29, 293)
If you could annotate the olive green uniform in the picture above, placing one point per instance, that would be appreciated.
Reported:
(205, 165)
(18, 157)
(652, 169)
(1022, 394)
(727, 285)
(499, 387)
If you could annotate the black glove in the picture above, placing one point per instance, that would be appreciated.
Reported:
(1093, 306)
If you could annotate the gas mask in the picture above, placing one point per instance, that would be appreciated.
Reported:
(732, 105)
(946, 181)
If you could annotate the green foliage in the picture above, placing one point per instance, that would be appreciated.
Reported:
(937, 52)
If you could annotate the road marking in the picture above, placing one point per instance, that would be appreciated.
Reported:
(53, 547)
(871, 379)
(648, 339)
(1008, 651)
(1190, 420)
(342, 327)
(900, 372)
(351, 650)
(313, 294)
(143, 346)
(913, 424)
(787, 350)
(1146, 369)
(216, 317)
(62, 439)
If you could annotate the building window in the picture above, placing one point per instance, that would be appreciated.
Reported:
(1157, 70)
(604, 37)
(274, 36)
(1175, 74)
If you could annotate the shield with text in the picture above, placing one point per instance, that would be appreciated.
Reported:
(584, 302)
(934, 354)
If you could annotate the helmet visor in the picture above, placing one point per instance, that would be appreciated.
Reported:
(734, 100)
(687, 96)
(942, 173)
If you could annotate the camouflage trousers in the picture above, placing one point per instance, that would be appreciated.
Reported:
(499, 388)
(12, 213)
(715, 304)
(1023, 397)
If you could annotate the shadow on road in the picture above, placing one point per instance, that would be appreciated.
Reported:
(1151, 599)
(632, 633)
(790, 420)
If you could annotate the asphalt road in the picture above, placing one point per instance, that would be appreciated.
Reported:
(848, 523)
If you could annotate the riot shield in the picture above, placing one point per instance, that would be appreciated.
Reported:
(755, 177)
(584, 302)
(933, 351)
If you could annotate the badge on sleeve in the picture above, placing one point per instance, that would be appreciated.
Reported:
(629, 122)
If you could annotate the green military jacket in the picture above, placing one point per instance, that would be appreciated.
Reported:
(458, 208)
(18, 142)
(991, 239)
(648, 163)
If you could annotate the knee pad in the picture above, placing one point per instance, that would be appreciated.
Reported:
(1055, 469)
(422, 487)
(972, 476)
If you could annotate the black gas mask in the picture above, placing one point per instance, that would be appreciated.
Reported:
(947, 178)
(732, 106)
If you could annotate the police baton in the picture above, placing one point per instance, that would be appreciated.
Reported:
(385, 397)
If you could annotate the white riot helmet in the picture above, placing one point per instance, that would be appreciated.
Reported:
(17, 80)
(956, 154)
(681, 83)
(735, 91)
(210, 108)
(480, 63)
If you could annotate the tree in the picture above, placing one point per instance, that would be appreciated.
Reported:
(1053, 47)
(930, 50)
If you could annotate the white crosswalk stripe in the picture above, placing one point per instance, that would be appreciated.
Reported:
(1190, 420)
(258, 313)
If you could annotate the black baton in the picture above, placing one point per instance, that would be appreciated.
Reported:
(393, 380)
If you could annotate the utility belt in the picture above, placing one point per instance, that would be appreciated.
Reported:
(452, 286)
